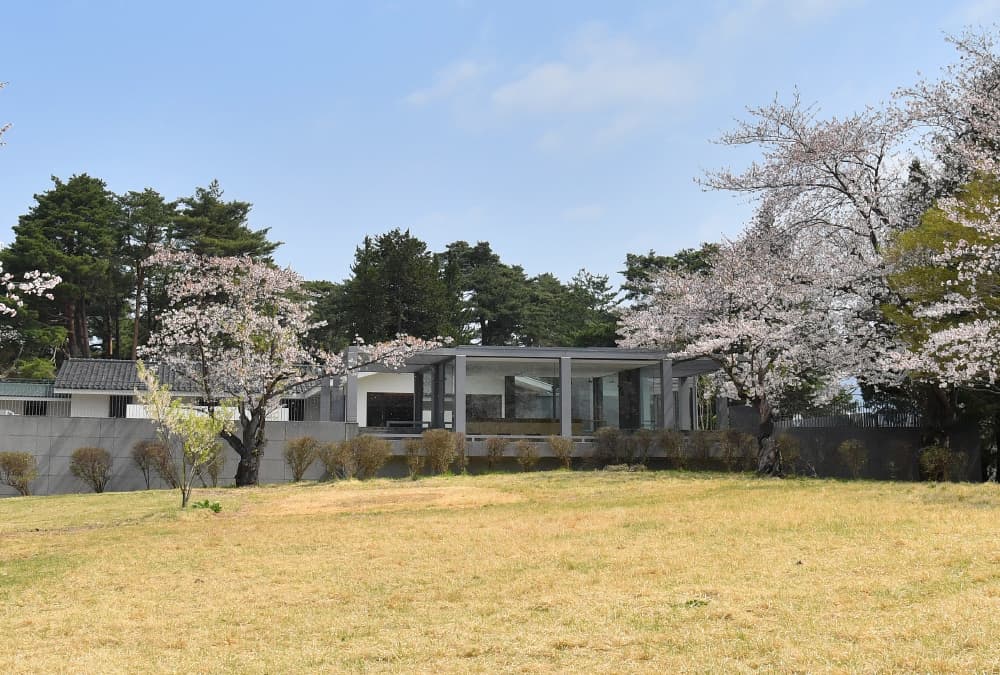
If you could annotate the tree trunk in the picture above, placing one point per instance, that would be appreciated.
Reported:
(768, 452)
(249, 446)
(140, 277)
(82, 329)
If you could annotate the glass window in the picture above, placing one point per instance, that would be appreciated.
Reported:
(611, 393)
(512, 397)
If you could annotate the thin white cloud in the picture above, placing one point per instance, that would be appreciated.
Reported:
(447, 82)
(598, 72)
(760, 16)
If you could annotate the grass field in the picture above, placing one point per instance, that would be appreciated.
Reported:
(554, 571)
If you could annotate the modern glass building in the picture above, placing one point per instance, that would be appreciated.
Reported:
(524, 391)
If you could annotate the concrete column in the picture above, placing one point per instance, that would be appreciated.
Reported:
(722, 412)
(458, 421)
(418, 400)
(324, 400)
(437, 397)
(667, 393)
(565, 397)
(351, 399)
(684, 403)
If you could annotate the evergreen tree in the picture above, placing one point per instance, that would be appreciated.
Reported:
(396, 288)
(207, 225)
(147, 218)
(73, 230)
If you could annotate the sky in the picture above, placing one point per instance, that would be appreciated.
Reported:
(565, 133)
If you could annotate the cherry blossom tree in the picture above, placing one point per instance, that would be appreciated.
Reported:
(763, 311)
(235, 330)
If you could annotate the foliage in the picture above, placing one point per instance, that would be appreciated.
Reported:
(18, 469)
(214, 507)
(641, 268)
(494, 451)
(395, 288)
(790, 450)
(299, 454)
(562, 448)
(147, 456)
(207, 225)
(414, 456)
(854, 454)
(370, 454)
(935, 462)
(461, 461)
(195, 432)
(611, 447)
(92, 466)
(737, 448)
(164, 465)
(527, 454)
(211, 469)
(337, 459)
(439, 447)
(254, 359)
(671, 442)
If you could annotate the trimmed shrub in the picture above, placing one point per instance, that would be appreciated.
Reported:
(337, 459)
(562, 448)
(414, 456)
(941, 463)
(439, 447)
(370, 454)
(461, 454)
(672, 443)
(211, 470)
(164, 465)
(641, 443)
(791, 451)
(494, 451)
(738, 449)
(854, 455)
(92, 466)
(610, 447)
(18, 469)
(146, 456)
(299, 454)
(527, 454)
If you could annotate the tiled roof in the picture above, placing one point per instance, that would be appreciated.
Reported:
(111, 375)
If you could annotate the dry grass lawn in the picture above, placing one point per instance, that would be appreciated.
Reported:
(542, 572)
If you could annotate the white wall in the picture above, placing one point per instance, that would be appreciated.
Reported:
(385, 383)
(89, 405)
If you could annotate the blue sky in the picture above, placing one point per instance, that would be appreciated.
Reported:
(565, 133)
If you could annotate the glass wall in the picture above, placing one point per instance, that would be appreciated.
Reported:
(621, 394)
(514, 397)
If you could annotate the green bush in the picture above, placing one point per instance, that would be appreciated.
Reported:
(527, 454)
(439, 447)
(414, 456)
(92, 466)
(299, 454)
(18, 469)
(461, 462)
(210, 471)
(214, 507)
(337, 459)
(370, 454)
(854, 455)
(562, 448)
(146, 455)
(494, 451)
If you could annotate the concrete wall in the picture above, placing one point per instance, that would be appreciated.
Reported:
(386, 383)
(90, 405)
(53, 440)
